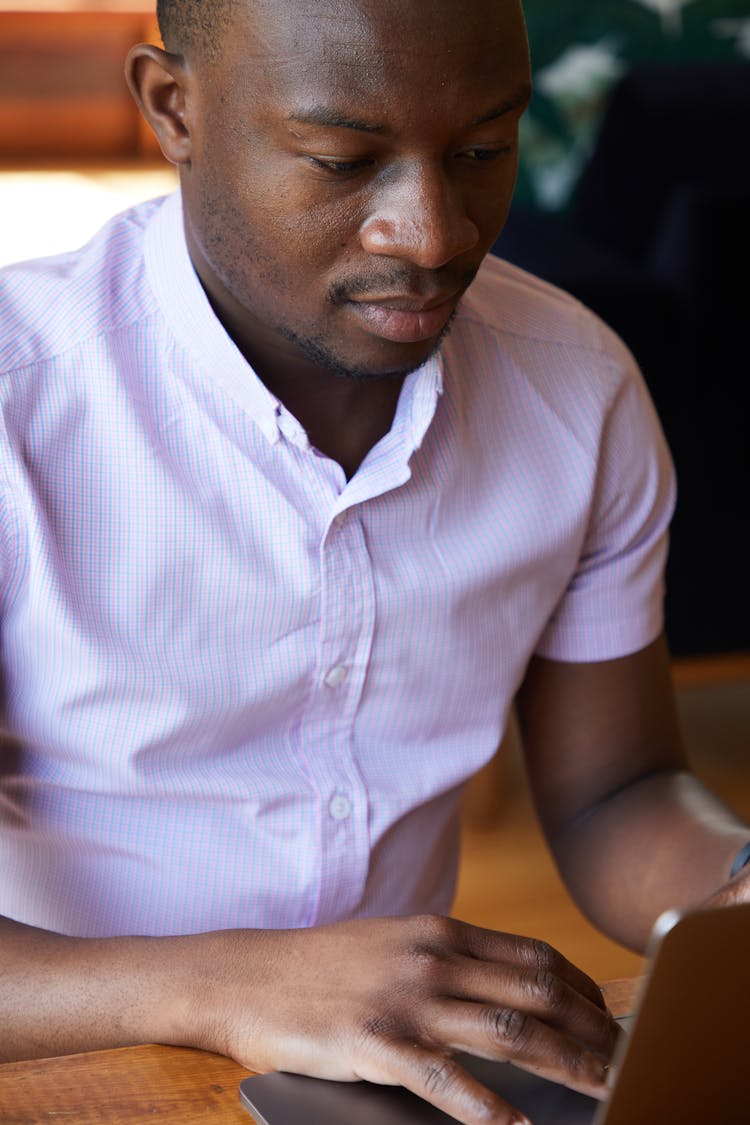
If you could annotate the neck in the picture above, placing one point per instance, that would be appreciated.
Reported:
(344, 418)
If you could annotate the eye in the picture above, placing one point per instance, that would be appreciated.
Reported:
(340, 167)
(484, 154)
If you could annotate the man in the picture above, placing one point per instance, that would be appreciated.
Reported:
(278, 552)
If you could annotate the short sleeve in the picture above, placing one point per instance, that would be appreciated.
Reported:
(614, 603)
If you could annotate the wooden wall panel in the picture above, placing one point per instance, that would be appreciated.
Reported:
(62, 90)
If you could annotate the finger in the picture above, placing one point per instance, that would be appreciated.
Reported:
(509, 949)
(510, 1035)
(541, 994)
(443, 1082)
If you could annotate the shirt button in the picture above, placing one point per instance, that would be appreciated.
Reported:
(336, 676)
(340, 519)
(339, 807)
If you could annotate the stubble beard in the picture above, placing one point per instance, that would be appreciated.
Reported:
(316, 351)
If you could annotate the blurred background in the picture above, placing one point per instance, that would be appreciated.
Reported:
(73, 148)
(634, 194)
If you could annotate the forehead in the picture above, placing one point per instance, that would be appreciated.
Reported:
(439, 54)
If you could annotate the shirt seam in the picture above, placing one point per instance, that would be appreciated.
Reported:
(500, 330)
(614, 367)
(110, 331)
(19, 564)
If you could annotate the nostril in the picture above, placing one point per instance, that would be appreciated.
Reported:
(420, 216)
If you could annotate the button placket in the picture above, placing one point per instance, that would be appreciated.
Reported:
(340, 807)
(346, 628)
(336, 676)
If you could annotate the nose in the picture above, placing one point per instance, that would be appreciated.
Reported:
(419, 217)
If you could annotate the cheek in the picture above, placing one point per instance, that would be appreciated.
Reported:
(320, 229)
(489, 215)
(279, 227)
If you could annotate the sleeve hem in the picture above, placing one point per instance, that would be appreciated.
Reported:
(604, 640)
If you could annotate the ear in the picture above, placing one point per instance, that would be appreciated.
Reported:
(158, 82)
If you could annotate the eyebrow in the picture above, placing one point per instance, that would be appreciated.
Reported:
(518, 101)
(330, 118)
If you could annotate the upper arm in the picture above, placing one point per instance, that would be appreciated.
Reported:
(591, 729)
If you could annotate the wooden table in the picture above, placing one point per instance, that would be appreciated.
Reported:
(135, 1085)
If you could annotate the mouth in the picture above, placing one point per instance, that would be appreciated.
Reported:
(404, 318)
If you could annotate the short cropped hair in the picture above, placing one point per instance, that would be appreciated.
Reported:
(192, 26)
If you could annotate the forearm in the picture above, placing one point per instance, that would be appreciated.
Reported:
(661, 842)
(389, 1000)
(61, 995)
(634, 833)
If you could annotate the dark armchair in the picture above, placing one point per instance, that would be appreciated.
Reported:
(657, 241)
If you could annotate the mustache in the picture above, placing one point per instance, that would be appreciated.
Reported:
(400, 281)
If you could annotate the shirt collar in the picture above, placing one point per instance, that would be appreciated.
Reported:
(193, 322)
(195, 325)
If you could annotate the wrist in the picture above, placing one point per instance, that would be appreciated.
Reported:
(158, 1003)
(200, 978)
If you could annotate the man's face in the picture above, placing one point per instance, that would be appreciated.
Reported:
(352, 162)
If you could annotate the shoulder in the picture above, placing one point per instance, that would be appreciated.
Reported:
(50, 306)
(506, 301)
(522, 342)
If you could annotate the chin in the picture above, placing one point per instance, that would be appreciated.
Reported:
(391, 362)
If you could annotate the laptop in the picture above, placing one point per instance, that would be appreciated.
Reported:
(683, 1059)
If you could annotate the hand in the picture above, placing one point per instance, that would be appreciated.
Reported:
(391, 1000)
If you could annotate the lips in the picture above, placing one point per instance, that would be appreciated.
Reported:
(403, 318)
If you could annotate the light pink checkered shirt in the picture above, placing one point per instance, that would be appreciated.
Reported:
(239, 690)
